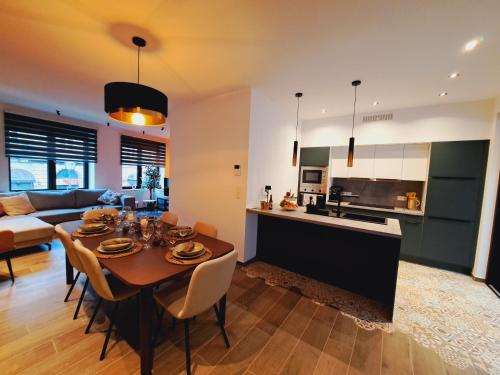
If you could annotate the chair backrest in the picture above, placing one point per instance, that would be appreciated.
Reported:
(169, 218)
(91, 215)
(7, 241)
(209, 282)
(206, 229)
(94, 271)
(69, 247)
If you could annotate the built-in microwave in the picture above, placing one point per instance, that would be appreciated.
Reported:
(313, 179)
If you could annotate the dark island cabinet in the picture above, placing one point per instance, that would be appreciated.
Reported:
(411, 242)
(315, 156)
(453, 205)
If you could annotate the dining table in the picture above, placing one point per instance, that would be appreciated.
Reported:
(144, 270)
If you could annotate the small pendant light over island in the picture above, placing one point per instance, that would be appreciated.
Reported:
(350, 154)
(298, 95)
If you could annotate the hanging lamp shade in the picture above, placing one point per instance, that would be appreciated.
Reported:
(298, 95)
(350, 153)
(133, 103)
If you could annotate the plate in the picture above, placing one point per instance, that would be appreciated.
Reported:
(175, 232)
(97, 230)
(130, 246)
(198, 250)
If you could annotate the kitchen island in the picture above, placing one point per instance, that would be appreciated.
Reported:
(357, 256)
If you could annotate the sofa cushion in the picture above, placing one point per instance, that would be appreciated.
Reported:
(26, 228)
(51, 199)
(57, 216)
(87, 197)
(17, 205)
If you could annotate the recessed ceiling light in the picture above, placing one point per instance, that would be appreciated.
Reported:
(323, 110)
(444, 93)
(375, 103)
(454, 75)
(472, 44)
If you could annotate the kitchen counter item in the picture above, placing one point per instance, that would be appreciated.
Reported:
(396, 210)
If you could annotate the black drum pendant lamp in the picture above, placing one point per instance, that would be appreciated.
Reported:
(350, 154)
(298, 95)
(133, 103)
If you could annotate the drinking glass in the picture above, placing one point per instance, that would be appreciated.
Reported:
(147, 233)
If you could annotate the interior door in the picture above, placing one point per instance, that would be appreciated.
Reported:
(493, 275)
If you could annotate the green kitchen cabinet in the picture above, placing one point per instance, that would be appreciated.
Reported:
(315, 156)
(458, 159)
(411, 241)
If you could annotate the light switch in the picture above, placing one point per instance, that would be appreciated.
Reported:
(237, 170)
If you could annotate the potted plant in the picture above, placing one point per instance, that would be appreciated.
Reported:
(151, 180)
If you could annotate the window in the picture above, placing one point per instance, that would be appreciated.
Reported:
(28, 174)
(135, 155)
(48, 155)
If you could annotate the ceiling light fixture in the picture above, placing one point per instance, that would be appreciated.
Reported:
(375, 103)
(133, 103)
(298, 95)
(444, 93)
(454, 75)
(323, 111)
(350, 154)
(472, 44)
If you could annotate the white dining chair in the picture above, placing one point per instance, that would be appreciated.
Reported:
(169, 218)
(106, 286)
(74, 260)
(208, 286)
(206, 229)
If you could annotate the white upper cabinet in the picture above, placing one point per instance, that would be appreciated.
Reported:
(338, 164)
(363, 162)
(388, 161)
(416, 161)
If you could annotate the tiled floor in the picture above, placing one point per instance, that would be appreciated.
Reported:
(272, 330)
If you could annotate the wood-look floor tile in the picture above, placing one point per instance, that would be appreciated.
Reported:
(338, 349)
(367, 353)
(424, 360)
(275, 316)
(396, 354)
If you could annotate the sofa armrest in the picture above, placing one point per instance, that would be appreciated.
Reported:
(128, 200)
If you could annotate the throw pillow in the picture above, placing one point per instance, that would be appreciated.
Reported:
(109, 197)
(17, 205)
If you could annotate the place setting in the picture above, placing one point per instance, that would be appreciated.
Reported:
(92, 230)
(190, 252)
(118, 247)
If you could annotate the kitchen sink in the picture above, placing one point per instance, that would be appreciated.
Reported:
(366, 218)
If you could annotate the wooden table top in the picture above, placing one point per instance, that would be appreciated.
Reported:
(147, 267)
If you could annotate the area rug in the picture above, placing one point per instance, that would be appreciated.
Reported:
(447, 312)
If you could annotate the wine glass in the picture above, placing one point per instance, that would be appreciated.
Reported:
(147, 233)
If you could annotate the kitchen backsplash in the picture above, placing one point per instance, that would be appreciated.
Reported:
(379, 192)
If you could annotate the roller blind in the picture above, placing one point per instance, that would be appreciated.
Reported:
(136, 151)
(34, 138)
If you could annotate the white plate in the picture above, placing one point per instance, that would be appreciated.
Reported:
(197, 247)
(100, 250)
(93, 231)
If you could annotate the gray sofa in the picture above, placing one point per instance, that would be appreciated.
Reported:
(53, 207)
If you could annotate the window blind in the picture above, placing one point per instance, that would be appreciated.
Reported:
(136, 151)
(34, 138)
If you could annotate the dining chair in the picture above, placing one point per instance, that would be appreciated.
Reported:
(106, 286)
(75, 262)
(208, 285)
(169, 218)
(205, 229)
(6, 246)
(91, 215)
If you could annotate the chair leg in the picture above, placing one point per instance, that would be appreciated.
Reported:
(71, 287)
(80, 300)
(218, 314)
(91, 321)
(49, 245)
(108, 334)
(187, 346)
(9, 265)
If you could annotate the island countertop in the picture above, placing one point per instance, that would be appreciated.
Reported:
(391, 229)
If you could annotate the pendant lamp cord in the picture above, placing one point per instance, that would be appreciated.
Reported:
(354, 111)
(138, 54)
(297, 126)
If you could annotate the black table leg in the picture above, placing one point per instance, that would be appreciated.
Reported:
(145, 330)
(69, 272)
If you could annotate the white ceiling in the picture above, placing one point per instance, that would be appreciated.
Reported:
(59, 54)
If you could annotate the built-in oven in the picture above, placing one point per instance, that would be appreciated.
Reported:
(313, 180)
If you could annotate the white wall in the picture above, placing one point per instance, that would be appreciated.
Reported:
(489, 198)
(107, 169)
(209, 137)
(446, 122)
(270, 159)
